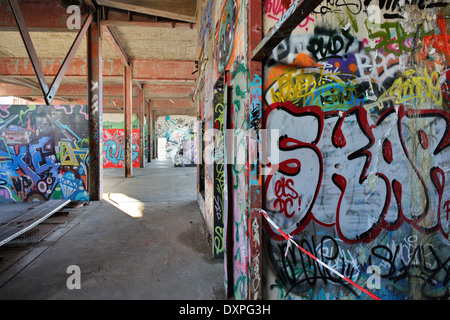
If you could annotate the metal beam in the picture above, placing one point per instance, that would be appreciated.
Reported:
(29, 45)
(56, 17)
(298, 11)
(171, 111)
(95, 109)
(144, 70)
(114, 41)
(20, 67)
(120, 17)
(155, 71)
(141, 125)
(154, 138)
(68, 60)
(90, 4)
(34, 11)
(149, 130)
(128, 126)
(76, 90)
(151, 10)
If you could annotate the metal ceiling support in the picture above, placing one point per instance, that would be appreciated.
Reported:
(128, 125)
(95, 109)
(113, 40)
(68, 60)
(154, 137)
(29, 45)
(149, 131)
(155, 9)
(141, 125)
(296, 13)
(90, 4)
(49, 94)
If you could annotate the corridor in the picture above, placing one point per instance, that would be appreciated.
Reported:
(145, 240)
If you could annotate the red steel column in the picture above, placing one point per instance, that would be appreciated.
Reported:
(141, 126)
(149, 132)
(128, 125)
(95, 109)
(154, 137)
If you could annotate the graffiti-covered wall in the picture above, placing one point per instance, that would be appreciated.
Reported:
(114, 148)
(178, 132)
(223, 104)
(114, 141)
(43, 152)
(359, 94)
(355, 137)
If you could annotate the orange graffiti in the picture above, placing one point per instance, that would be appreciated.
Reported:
(441, 41)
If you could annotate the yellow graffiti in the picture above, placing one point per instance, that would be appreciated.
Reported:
(70, 153)
(412, 87)
(326, 90)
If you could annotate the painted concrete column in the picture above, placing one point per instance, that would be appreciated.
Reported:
(95, 108)
(254, 33)
(128, 125)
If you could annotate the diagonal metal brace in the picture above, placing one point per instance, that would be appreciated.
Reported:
(296, 13)
(49, 94)
(29, 45)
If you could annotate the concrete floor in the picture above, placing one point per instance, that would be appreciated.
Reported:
(146, 240)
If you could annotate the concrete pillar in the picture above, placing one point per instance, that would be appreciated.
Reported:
(128, 125)
(95, 109)
(254, 35)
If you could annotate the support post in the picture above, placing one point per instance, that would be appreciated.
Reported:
(149, 132)
(128, 125)
(154, 138)
(254, 28)
(141, 126)
(95, 109)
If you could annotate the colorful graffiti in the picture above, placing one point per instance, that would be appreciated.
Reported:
(240, 174)
(361, 106)
(186, 154)
(274, 9)
(114, 148)
(226, 34)
(178, 132)
(218, 169)
(43, 152)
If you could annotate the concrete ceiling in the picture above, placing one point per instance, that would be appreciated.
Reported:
(158, 37)
(174, 9)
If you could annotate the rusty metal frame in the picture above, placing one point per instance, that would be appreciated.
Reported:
(28, 45)
(49, 93)
(128, 124)
(141, 103)
(95, 109)
(68, 60)
(114, 41)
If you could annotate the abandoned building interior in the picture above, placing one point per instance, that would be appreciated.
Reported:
(225, 149)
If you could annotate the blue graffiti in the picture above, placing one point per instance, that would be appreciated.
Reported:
(116, 153)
